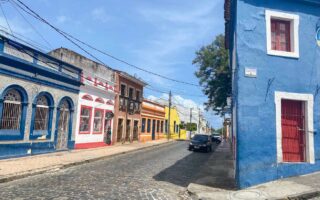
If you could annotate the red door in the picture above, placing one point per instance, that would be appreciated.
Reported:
(293, 133)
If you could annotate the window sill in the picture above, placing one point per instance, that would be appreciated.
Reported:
(97, 133)
(283, 54)
(296, 163)
(84, 133)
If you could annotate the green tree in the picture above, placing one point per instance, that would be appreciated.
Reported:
(214, 74)
(191, 127)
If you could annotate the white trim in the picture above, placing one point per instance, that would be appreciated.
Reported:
(308, 99)
(294, 25)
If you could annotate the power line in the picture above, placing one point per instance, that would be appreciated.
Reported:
(6, 18)
(30, 24)
(68, 36)
(37, 16)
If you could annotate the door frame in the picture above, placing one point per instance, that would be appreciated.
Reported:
(309, 140)
(70, 123)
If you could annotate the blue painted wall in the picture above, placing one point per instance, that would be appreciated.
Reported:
(62, 77)
(256, 125)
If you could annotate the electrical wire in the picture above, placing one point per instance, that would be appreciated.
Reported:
(30, 24)
(4, 15)
(68, 36)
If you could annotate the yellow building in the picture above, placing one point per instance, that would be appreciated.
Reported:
(175, 131)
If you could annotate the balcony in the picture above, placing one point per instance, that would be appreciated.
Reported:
(130, 105)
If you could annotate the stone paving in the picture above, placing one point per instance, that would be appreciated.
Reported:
(158, 173)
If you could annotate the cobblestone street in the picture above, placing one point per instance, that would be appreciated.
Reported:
(159, 173)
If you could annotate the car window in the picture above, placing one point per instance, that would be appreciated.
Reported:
(201, 137)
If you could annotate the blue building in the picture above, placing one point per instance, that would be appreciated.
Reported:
(38, 97)
(275, 60)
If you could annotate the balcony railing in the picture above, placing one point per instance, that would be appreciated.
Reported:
(129, 105)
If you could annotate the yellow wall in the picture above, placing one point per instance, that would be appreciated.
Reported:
(174, 116)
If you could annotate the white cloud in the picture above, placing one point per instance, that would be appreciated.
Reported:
(176, 30)
(100, 14)
(16, 26)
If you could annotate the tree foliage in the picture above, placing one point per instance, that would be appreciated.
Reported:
(191, 127)
(214, 74)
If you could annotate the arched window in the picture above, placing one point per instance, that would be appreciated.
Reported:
(99, 100)
(41, 116)
(13, 107)
(87, 97)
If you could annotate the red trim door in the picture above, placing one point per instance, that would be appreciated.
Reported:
(293, 131)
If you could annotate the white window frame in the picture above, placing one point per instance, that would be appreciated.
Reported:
(308, 100)
(294, 33)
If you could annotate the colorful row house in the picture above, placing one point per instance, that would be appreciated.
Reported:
(127, 120)
(175, 129)
(38, 101)
(96, 100)
(274, 50)
(153, 121)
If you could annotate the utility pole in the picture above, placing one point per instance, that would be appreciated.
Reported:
(169, 132)
(190, 123)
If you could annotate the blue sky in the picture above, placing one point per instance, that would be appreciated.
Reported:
(160, 35)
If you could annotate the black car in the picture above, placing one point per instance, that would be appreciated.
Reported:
(216, 139)
(201, 142)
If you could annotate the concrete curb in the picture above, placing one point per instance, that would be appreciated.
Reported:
(305, 195)
(224, 194)
(54, 168)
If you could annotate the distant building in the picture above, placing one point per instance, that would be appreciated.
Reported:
(152, 122)
(96, 100)
(38, 101)
(175, 130)
(127, 120)
(274, 56)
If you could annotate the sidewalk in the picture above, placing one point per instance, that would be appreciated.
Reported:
(11, 169)
(219, 185)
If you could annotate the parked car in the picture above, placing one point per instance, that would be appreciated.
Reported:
(201, 142)
(216, 139)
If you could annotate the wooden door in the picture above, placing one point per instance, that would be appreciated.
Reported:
(293, 131)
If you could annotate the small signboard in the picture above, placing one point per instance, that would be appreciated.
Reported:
(250, 72)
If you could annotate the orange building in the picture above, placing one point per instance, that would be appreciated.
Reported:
(153, 118)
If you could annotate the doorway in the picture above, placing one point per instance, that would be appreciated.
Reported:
(63, 127)
(119, 130)
(153, 129)
(135, 130)
(128, 130)
(107, 130)
(293, 131)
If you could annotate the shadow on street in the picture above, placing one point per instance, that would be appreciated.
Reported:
(214, 169)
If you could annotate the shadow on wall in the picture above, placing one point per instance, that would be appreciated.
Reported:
(200, 168)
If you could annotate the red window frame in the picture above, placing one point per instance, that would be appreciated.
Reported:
(87, 97)
(276, 33)
(99, 100)
(102, 120)
(90, 120)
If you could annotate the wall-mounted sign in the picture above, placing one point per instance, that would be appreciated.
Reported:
(318, 36)
(250, 72)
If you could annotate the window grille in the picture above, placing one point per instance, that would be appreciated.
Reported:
(12, 108)
(97, 123)
(85, 117)
(42, 114)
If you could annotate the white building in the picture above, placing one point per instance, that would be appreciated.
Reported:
(96, 101)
